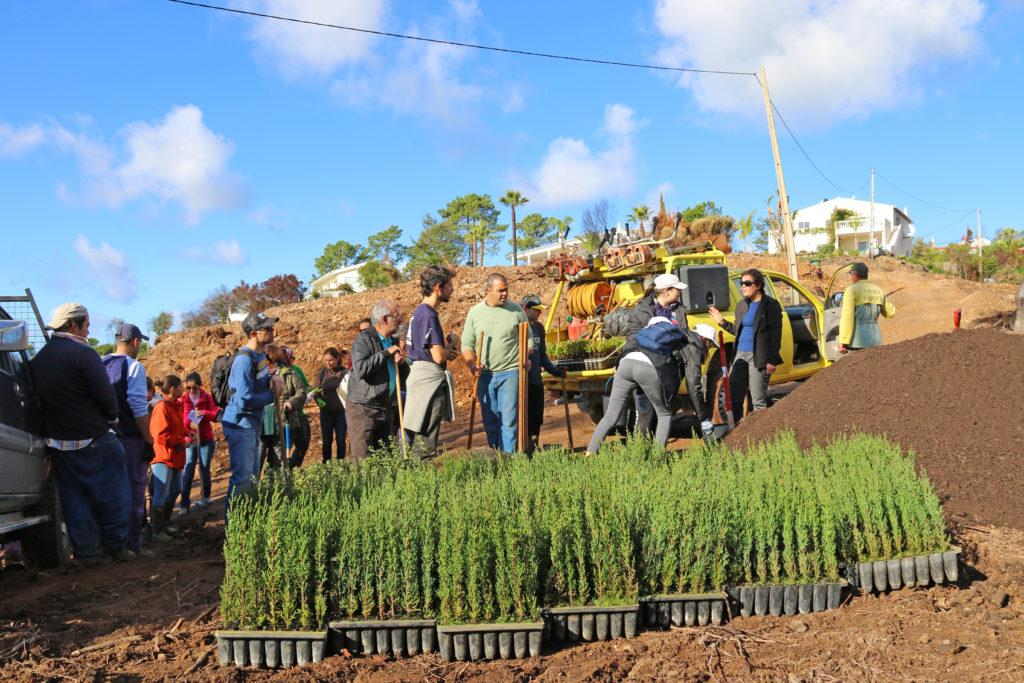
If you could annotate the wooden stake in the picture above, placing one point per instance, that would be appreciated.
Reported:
(476, 384)
(568, 422)
(524, 351)
(401, 415)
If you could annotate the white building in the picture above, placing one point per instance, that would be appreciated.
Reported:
(892, 231)
(330, 284)
(541, 254)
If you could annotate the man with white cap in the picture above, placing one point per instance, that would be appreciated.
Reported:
(79, 412)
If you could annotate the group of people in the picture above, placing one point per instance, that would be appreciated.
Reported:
(111, 432)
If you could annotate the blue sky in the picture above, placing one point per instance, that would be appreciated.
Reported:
(152, 151)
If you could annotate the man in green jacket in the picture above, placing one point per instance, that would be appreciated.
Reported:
(498, 368)
(863, 302)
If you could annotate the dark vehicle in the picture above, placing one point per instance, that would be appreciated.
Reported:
(29, 505)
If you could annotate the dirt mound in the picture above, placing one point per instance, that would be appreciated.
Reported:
(952, 398)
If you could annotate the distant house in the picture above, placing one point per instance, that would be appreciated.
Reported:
(541, 254)
(331, 284)
(893, 230)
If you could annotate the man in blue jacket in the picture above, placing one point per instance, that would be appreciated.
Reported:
(252, 387)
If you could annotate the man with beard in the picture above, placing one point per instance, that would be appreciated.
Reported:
(428, 391)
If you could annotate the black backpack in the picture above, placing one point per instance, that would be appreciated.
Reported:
(219, 378)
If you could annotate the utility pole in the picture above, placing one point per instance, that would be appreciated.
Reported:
(981, 267)
(787, 217)
(872, 233)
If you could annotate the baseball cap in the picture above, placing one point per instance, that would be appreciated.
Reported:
(860, 269)
(257, 320)
(666, 280)
(129, 332)
(532, 301)
(706, 331)
(64, 313)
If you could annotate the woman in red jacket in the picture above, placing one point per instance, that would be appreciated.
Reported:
(169, 442)
(198, 413)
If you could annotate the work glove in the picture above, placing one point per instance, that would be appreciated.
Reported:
(708, 430)
(565, 373)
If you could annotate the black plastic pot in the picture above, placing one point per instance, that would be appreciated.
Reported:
(384, 637)
(906, 572)
(785, 600)
(690, 609)
(489, 641)
(271, 649)
(574, 624)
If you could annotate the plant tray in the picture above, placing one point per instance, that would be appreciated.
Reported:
(386, 637)
(489, 641)
(786, 600)
(570, 364)
(688, 609)
(605, 362)
(271, 649)
(905, 572)
(589, 623)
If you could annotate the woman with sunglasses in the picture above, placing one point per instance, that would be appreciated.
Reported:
(758, 331)
(199, 412)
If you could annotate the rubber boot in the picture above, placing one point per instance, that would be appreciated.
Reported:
(159, 518)
(168, 510)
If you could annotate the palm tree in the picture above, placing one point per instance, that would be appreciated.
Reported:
(640, 214)
(512, 199)
(562, 226)
(746, 226)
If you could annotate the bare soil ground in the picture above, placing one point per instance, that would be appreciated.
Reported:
(953, 399)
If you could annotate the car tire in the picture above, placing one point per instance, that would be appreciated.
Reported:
(47, 545)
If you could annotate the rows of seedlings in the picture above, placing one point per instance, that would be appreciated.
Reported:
(498, 551)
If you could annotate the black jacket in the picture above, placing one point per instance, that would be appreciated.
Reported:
(767, 330)
(370, 378)
(77, 397)
(638, 319)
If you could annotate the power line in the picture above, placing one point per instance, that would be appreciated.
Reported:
(949, 225)
(458, 44)
(923, 201)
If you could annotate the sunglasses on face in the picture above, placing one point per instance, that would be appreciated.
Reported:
(747, 283)
(192, 387)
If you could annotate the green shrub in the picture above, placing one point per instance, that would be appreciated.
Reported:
(481, 539)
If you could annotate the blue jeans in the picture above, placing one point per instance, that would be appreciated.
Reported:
(196, 455)
(166, 484)
(94, 493)
(243, 456)
(498, 394)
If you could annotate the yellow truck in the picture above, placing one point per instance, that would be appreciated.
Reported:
(597, 286)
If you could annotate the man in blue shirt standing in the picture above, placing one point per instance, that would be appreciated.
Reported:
(128, 377)
(252, 387)
(429, 350)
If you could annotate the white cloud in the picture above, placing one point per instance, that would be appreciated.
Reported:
(17, 141)
(824, 60)
(301, 49)
(109, 266)
(226, 253)
(176, 159)
(422, 80)
(572, 172)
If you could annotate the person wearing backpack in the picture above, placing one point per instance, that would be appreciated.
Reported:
(652, 368)
(252, 387)
(661, 299)
(128, 377)
(758, 330)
